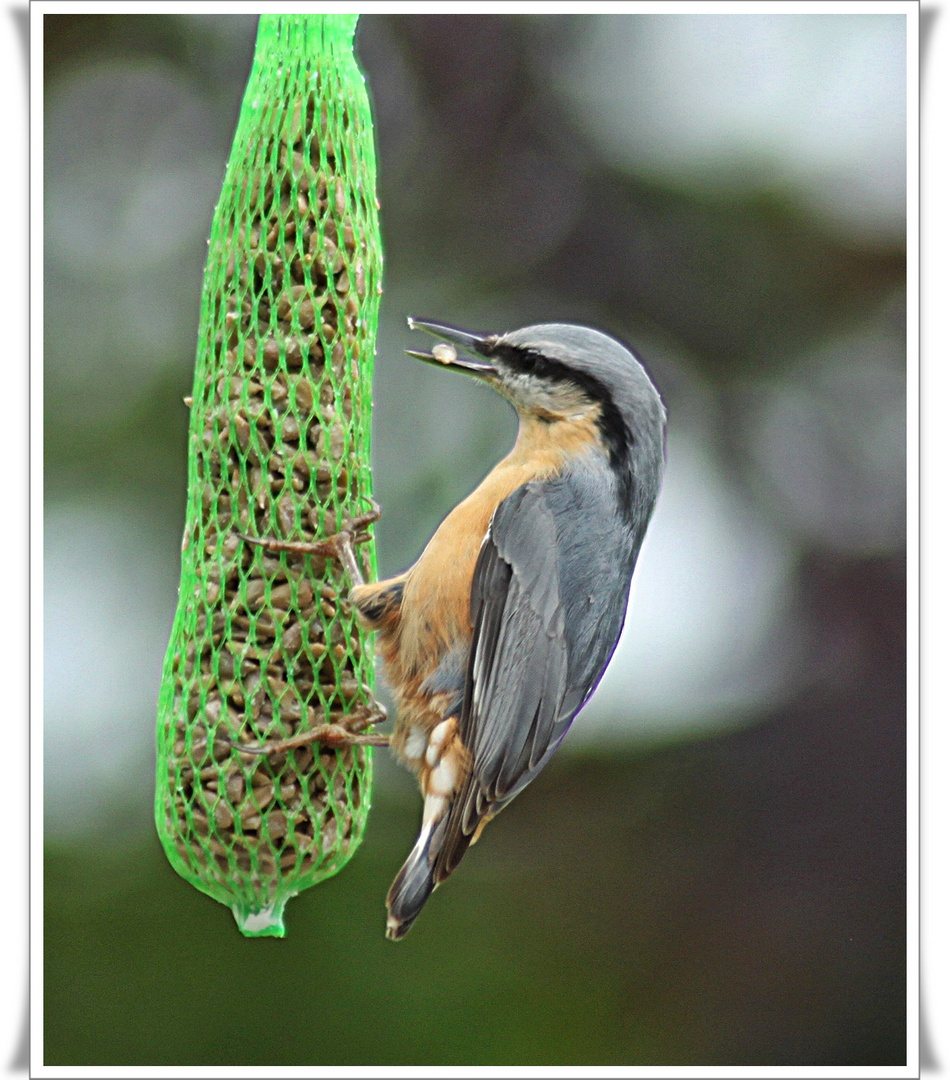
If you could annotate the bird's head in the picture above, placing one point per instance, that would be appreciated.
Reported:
(560, 372)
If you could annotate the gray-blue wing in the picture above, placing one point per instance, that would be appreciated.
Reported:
(548, 600)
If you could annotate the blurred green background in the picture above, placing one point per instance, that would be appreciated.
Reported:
(712, 871)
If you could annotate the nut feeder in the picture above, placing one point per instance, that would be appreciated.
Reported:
(263, 647)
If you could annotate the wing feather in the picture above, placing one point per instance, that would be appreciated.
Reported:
(535, 657)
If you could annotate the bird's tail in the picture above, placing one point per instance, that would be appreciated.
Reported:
(414, 882)
(452, 817)
(443, 841)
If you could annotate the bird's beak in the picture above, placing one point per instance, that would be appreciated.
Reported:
(445, 354)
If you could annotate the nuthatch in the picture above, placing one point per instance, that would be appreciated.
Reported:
(497, 636)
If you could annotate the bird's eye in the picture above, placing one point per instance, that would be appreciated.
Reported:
(527, 361)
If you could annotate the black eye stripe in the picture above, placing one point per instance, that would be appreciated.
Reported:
(617, 437)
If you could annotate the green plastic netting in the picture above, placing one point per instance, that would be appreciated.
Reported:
(263, 647)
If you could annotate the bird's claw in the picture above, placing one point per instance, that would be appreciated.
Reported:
(340, 545)
(348, 731)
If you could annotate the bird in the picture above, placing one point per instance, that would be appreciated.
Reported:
(496, 637)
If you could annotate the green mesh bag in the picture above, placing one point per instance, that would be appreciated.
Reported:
(263, 646)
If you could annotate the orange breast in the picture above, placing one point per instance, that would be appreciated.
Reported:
(434, 615)
(436, 604)
(435, 607)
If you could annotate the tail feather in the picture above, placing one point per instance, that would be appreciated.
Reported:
(462, 826)
(436, 853)
(414, 883)
(447, 833)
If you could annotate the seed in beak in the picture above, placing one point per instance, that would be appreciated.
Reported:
(444, 353)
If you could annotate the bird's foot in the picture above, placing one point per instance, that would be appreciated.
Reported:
(349, 731)
(339, 546)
